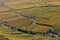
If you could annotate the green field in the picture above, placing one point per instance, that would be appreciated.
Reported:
(44, 13)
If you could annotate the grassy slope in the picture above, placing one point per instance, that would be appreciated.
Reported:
(7, 33)
(52, 13)
(42, 13)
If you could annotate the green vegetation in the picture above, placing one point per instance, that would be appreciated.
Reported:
(53, 13)
(45, 15)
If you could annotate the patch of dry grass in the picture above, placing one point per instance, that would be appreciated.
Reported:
(3, 9)
(8, 15)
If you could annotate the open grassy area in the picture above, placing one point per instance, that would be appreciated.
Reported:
(3, 9)
(49, 15)
(8, 15)
(44, 15)
(7, 33)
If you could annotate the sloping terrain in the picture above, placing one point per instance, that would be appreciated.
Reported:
(26, 19)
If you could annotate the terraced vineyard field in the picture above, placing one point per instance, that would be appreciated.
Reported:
(29, 20)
